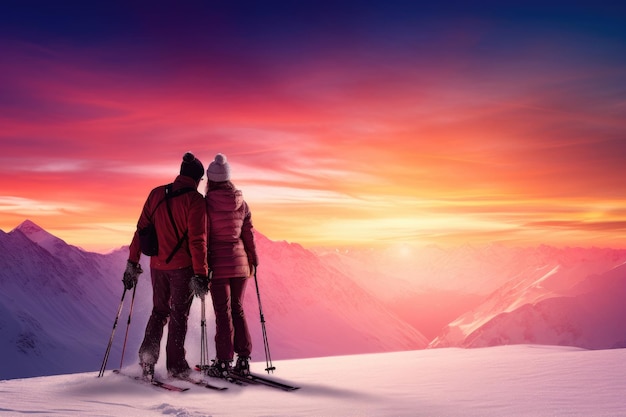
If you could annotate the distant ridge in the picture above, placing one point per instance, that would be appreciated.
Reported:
(57, 304)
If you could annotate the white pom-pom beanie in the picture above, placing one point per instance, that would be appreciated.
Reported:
(219, 169)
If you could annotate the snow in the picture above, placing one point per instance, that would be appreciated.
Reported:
(521, 380)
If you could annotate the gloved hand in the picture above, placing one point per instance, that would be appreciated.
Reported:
(199, 285)
(131, 274)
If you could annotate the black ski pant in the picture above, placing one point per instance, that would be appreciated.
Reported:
(231, 328)
(171, 297)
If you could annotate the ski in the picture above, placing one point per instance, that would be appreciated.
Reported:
(230, 379)
(202, 383)
(253, 379)
(155, 382)
(263, 380)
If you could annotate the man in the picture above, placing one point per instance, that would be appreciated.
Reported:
(178, 269)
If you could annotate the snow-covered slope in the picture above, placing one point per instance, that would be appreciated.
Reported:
(53, 307)
(592, 319)
(571, 299)
(58, 305)
(510, 381)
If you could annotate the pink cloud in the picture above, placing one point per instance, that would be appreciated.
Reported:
(458, 122)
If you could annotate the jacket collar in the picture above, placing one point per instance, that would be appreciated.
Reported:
(183, 181)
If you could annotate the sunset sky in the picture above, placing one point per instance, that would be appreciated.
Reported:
(345, 123)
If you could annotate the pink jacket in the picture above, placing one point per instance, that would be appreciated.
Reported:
(231, 247)
(189, 214)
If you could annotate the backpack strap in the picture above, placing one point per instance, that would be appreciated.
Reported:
(168, 195)
(171, 194)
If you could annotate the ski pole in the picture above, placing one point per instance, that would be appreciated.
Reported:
(204, 354)
(130, 313)
(268, 358)
(108, 351)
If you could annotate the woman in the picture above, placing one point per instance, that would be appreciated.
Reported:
(232, 258)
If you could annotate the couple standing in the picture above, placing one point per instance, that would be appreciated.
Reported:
(203, 243)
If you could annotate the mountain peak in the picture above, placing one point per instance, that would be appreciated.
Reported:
(28, 226)
(34, 232)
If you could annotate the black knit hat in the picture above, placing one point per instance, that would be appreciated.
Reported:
(191, 167)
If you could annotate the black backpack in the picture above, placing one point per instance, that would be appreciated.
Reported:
(148, 241)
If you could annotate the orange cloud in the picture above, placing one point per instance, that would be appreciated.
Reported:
(465, 138)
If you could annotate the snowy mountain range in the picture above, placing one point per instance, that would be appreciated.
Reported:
(575, 300)
(498, 295)
(58, 302)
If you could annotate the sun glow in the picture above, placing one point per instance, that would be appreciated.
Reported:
(425, 130)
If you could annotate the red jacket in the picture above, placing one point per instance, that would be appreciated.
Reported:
(189, 212)
(231, 247)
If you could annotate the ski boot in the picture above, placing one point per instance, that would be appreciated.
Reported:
(183, 374)
(219, 368)
(147, 371)
(147, 361)
(242, 367)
